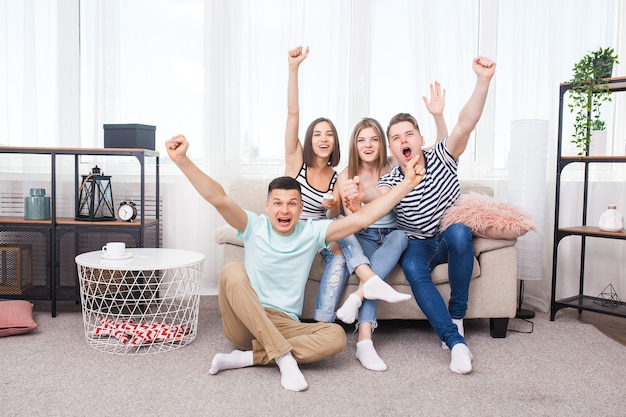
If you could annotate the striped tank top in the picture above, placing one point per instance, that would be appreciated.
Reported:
(312, 197)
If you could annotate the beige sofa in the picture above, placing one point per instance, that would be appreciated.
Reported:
(493, 289)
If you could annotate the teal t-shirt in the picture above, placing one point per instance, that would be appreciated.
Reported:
(278, 266)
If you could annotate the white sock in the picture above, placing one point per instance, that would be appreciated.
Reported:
(233, 360)
(461, 361)
(290, 376)
(461, 329)
(377, 289)
(350, 309)
(367, 355)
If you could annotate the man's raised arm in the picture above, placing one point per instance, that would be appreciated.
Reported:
(473, 109)
(208, 188)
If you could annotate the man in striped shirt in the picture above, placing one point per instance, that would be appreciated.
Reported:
(420, 212)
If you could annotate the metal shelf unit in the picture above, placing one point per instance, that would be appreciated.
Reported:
(58, 240)
(581, 301)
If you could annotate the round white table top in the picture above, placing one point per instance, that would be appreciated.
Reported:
(142, 259)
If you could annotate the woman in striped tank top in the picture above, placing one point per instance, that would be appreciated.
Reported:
(312, 165)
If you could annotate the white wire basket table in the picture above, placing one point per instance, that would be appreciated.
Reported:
(145, 302)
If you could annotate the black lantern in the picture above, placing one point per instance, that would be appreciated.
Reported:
(95, 198)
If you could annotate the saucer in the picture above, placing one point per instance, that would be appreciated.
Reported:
(124, 256)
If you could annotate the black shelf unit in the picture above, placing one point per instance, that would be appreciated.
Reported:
(581, 301)
(60, 239)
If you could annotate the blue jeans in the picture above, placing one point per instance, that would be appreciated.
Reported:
(453, 246)
(381, 248)
(333, 280)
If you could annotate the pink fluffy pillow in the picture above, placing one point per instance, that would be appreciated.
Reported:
(16, 317)
(487, 217)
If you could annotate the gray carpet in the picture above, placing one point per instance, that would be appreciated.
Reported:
(562, 368)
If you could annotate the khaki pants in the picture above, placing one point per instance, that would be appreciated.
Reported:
(268, 332)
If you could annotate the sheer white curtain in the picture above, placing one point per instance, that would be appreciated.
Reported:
(538, 44)
(414, 44)
(142, 62)
(217, 72)
(265, 31)
(28, 73)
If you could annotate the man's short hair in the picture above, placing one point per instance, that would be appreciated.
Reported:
(284, 183)
(402, 117)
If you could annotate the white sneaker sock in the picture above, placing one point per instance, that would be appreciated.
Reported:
(461, 361)
(377, 289)
(233, 360)
(290, 376)
(350, 309)
(461, 329)
(367, 355)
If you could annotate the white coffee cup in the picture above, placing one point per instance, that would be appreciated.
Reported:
(114, 249)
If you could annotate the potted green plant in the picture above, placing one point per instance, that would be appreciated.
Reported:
(588, 92)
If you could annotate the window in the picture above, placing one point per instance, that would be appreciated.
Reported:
(28, 73)
(268, 30)
(217, 71)
(414, 44)
(142, 62)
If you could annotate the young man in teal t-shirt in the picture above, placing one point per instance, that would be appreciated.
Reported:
(260, 302)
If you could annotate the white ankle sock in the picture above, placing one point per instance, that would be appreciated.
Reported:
(367, 355)
(350, 309)
(290, 376)
(461, 329)
(233, 360)
(377, 289)
(461, 361)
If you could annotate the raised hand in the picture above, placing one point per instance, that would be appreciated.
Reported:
(297, 55)
(437, 99)
(484, 67)
(176, 147)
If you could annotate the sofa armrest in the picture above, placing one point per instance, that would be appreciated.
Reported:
(227, 234)
(482, 245)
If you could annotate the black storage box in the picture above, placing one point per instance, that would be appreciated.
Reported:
(129, 136)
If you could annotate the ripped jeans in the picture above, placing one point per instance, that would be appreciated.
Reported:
(332, 282)
(380, 248)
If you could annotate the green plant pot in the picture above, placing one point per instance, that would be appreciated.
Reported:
(604, 68)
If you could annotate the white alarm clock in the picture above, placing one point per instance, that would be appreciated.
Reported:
(127, 211)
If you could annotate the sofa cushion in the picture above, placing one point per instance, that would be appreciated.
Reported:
(227, 234)
(475, 187)
(482, 245)
(250, 193)
(488, 217)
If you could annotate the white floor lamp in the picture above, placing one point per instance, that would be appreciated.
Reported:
(527, 190)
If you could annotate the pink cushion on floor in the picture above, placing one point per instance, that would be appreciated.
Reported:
(16, 317)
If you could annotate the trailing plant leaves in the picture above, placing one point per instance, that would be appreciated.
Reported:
(588, 92)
